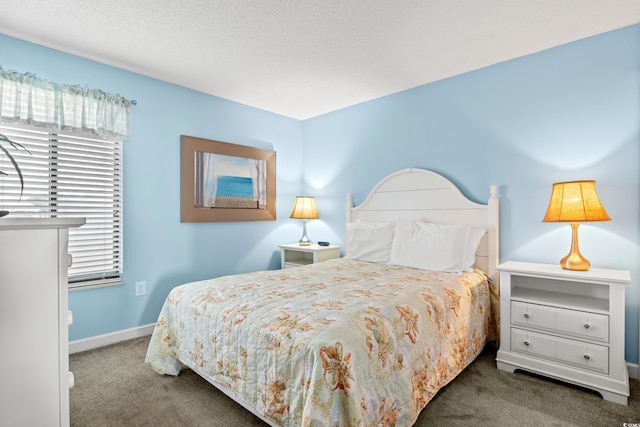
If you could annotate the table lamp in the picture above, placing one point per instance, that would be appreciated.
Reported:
(304, 208)
(575, 202)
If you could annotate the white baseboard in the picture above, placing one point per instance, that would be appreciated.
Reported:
(634, 371)
(111, 338)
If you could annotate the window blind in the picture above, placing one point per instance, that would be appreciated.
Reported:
(67, 174)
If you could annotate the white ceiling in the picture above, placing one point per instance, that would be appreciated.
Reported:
(302, 58)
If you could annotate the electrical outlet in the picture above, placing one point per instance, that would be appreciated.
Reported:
(141, 288)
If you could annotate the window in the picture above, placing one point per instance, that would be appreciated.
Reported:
(69, 174)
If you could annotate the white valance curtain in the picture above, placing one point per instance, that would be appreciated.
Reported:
(259, 177)
(208, 178)
(28, 99)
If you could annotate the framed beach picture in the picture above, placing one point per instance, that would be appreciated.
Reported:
(226, 182)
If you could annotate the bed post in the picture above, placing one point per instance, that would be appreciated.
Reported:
(494, 237)
(349, 207)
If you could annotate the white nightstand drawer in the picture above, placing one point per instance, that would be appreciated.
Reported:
(535, 344)
(296, 255)
(294, 264)
(588, 356)
(568, 322)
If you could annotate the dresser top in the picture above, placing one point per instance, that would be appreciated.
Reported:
(39, 223)
(313, 247)
(551, 270)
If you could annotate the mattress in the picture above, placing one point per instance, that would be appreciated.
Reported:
(337, 343)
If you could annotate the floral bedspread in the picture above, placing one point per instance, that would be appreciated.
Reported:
(338, 343)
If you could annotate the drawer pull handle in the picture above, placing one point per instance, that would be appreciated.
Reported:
(587, 357)
(587, 326)
(526, 315)
(526, 343)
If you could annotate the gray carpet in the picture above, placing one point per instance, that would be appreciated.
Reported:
(114, 388)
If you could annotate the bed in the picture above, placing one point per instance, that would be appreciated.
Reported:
(364, 340)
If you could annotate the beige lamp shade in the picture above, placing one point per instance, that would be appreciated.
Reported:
(304, 208)
(575, 202)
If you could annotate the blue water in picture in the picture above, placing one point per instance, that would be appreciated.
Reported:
(234, 186)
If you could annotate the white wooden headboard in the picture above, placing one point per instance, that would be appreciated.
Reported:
(420, 193)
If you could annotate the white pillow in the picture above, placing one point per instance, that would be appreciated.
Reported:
(370, 241)
(435, 247)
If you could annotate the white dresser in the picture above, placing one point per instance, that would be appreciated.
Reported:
(565, 324)
(34, 389)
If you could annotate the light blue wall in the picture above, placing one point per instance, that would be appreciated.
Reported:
(563, 114)
(567, 113)
(158, 248)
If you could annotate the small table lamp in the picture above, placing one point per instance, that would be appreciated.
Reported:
(575, 202)
(304, 208)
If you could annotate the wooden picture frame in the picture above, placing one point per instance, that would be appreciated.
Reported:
(215, 186)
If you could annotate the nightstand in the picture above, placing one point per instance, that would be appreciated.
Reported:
(564, 324)
(295, 255)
